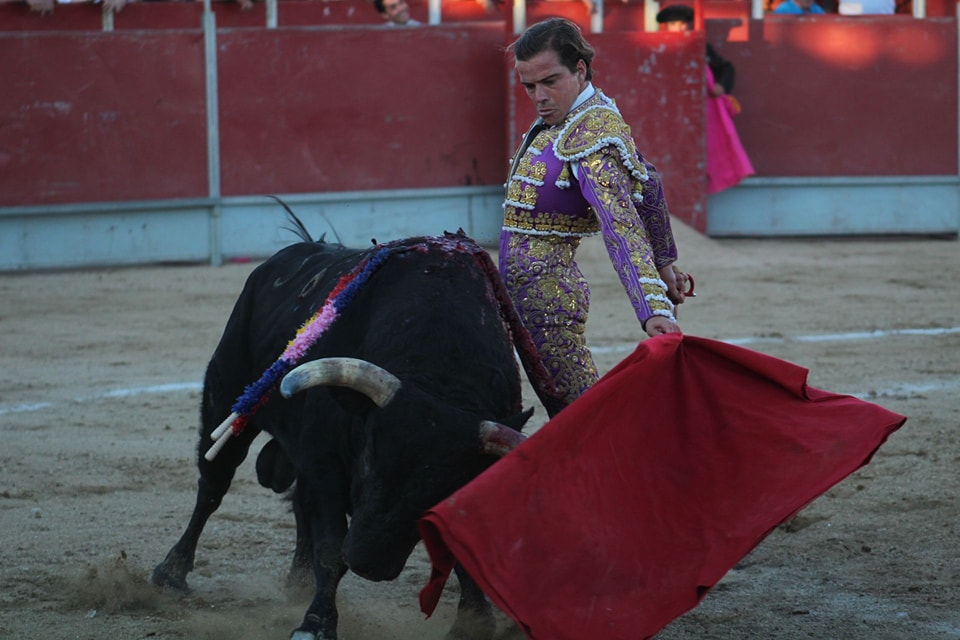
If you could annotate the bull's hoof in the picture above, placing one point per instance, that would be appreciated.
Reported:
(472, 626)
(166, 580)
(315, 628)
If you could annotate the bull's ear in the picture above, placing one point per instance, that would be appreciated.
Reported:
(517, 421)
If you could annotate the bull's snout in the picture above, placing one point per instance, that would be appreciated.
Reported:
(376, 561)
(375, 573)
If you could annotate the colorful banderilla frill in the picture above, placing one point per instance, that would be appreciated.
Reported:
(255, 395)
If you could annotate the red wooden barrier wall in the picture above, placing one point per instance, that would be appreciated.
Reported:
(304, 110)
(87, 116)
(176, 14)
(92, 116)
(657, 82)
(862, 96)
(320, 110)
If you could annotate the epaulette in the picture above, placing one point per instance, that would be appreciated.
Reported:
(594, 128)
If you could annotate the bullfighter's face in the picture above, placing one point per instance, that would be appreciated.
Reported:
(675, 26)
(396, 11)
(552, 86)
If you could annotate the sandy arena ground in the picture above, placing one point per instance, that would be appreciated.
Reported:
(99, 397)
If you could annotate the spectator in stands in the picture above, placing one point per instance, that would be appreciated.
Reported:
(727, 160)
(42, 7)
(799, 8)
(396, 13)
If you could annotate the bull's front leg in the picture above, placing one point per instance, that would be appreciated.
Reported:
(275, 471)
(475, 619)
(215, 479)
(301, 567)
(327, 527)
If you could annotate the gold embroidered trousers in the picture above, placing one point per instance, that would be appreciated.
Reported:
(553, 300)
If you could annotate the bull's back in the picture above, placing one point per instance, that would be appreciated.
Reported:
(290, 287)
(427, 311)
(277, 298)
(429, 315)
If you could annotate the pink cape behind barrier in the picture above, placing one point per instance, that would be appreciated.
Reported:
(727, 161)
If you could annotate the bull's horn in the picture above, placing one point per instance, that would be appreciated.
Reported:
(376, 383)
(498, 439)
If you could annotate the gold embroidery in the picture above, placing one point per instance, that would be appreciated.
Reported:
(605, 170)
(597, 125)
(528, 168)
(549, 223)
(563, 180)
(523, 193)
(552, 298)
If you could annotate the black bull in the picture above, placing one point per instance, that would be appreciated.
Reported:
(430, 336)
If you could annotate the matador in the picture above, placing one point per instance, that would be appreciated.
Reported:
(581, 177)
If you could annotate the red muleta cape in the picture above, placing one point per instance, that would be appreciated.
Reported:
(623, 511)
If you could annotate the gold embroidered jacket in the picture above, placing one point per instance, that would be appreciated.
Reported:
(585, 176)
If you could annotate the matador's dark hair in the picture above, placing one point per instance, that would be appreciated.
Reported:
(555, 34)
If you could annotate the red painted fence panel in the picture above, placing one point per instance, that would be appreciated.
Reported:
(836, 96)
(88, 117)
(306, 110)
